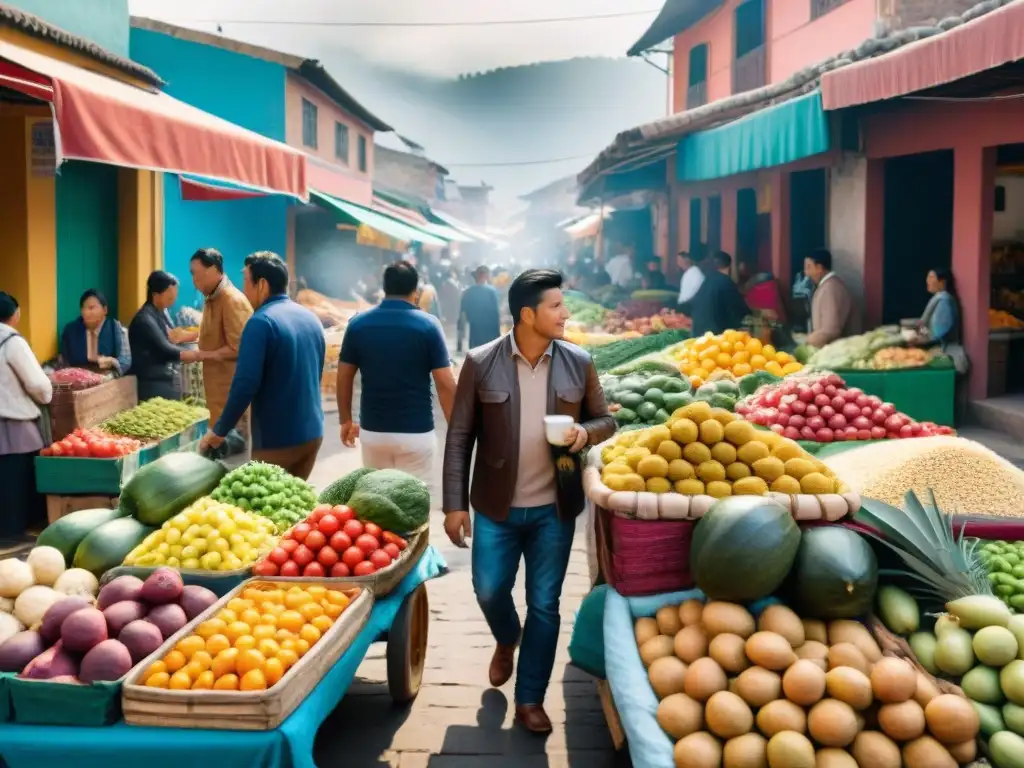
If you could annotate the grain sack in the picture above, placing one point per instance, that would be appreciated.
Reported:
(966, 477)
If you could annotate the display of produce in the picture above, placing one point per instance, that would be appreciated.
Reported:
(92, 444)
(965, 476)
(650, 399)
(645, 318)
(160, 490)
(999, 319)
(976, 644)
(340, 491)
(820, 408)
(107, 546)
(853, 351)
(81, 640)
(394, 500)
(586, 313)
(155, 419)
(76, 379)
(332, 542)
(705, 450)
(734, 351)
(208, 535)
(590, 339)
(1004, 563)
(68, 532)
(267, 490)
(253, 641)
(29, 587)
(609, 356)
(902, 357)
(785, 691)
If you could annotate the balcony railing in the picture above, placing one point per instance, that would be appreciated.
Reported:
(697, 95)
(749, 70)
(821, 7)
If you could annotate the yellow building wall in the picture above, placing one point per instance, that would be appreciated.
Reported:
(28, 247)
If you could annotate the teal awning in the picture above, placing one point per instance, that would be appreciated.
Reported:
(393, 228)
(781, 134)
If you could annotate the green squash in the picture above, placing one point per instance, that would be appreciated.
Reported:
(68, 532)
(836, 574)
(159, 491)
(743, 548)
(107, 546)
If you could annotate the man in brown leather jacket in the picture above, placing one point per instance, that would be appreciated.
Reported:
(505, 390)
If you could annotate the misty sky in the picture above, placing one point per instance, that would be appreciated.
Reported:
(441, 51)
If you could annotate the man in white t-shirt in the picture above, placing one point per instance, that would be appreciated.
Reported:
(620, 268)
(692, 279)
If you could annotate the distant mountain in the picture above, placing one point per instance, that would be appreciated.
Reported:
(560, 109)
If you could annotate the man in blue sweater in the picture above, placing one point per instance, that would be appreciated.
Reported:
(280, 362)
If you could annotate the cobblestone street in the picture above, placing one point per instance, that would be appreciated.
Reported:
(458, 721)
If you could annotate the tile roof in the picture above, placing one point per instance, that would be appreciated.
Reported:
(37, 27)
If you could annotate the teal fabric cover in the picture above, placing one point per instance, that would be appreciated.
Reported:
(586, 648)
(289, 746)
(780, 134)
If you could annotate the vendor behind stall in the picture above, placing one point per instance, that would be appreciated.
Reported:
(94, 340)
(156, 358)
(833, 313)
(940, 323)
(23, 387)
(718, 305)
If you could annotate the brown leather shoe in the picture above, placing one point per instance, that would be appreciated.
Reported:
(502, 664)
(533, 718)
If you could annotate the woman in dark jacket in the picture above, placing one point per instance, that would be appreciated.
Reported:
(93, 340)
(156, 359)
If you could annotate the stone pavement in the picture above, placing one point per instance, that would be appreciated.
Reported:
(458, 721)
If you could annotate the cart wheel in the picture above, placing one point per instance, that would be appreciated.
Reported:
(407, 646)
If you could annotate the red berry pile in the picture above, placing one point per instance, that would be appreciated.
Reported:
(821, 409)
(332, 542)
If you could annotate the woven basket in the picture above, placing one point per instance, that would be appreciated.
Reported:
(641, 557)
(643, 505)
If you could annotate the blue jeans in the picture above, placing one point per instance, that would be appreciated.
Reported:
(545, 542)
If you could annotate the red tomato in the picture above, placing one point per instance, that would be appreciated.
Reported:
(266, 568)
(373, 529)
(392, 550)
(300, 531)
(353, 556)
(288, 544)
(290, 569)
(314, 570)
(354, 529)
(320, 510)
(380, 558)
(340, 571)
(315, 540)
(340, 542)
(278, 556)
(81, 450)
(327, 557)
(394, 538)
(343, 513)
(367, 543)
(364, 568)
(303, 555)
(329, 525)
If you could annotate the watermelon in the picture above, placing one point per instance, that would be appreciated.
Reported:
(107, 546)
(159, 491)
(743, 548)
(68, 532)
(835, 574)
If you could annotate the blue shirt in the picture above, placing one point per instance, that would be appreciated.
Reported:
(480, 310)
(396, 347)
(944, 320)
(280, 362)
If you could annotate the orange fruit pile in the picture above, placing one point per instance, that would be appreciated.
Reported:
(252, 642)
(737, 352)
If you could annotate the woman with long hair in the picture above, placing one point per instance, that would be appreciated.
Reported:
(23, 388)
(156, 363)
(93, 340)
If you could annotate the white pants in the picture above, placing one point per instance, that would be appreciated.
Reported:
(392, 450)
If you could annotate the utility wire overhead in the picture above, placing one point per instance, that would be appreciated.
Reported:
(419, 24)
(518, 163)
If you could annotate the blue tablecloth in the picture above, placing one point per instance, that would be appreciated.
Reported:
(289, 746)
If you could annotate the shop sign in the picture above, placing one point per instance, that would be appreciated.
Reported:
(44, 149)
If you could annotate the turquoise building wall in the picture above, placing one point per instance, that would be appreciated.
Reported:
(105, 22)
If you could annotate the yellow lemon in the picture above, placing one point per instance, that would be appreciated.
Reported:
(190, 645)
(226, 683)
(253, 680)
(217, 643)
(273, 671)
(204, 681)
(180, 681)
(225, 662)
(174, 661)
(158, 680)
(248, 661)
(757, 362)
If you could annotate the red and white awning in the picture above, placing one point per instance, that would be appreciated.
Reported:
(101, 119)
(987, 42)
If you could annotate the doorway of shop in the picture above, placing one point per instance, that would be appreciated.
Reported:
(918, 230)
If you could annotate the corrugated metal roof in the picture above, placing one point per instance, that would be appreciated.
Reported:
(39, 28)
(675, 16)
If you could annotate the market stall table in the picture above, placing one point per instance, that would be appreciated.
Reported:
(401, 616)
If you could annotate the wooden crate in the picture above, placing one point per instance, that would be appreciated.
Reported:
(58, 506)
(243, 710)
(70, 410)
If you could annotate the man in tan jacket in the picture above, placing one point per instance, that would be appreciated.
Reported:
(225, 313)
(834, 314)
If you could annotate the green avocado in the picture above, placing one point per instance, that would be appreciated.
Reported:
(630, 400)
(675, 400)
(657, 382)
(661, 416)
(720, 400)
(625, 416)
(647, 411)
(655, 396)
(676, 385)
